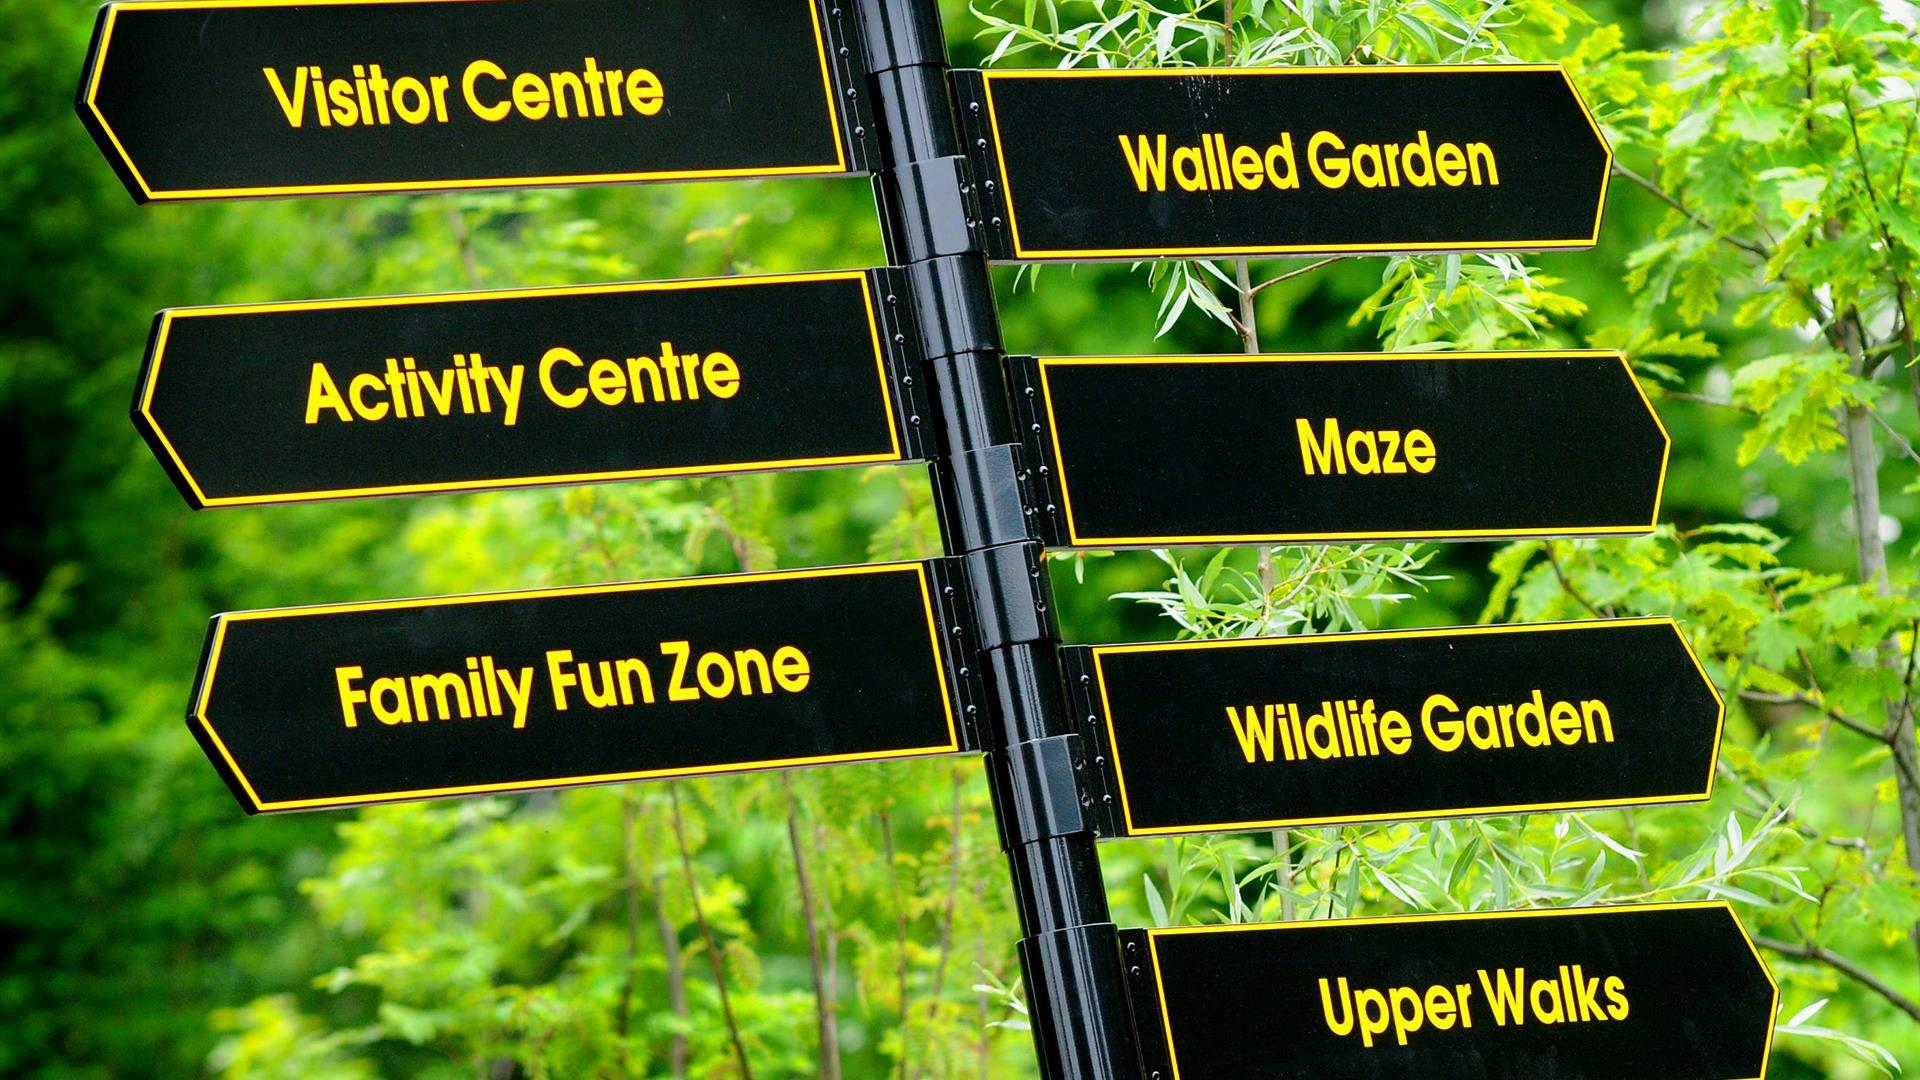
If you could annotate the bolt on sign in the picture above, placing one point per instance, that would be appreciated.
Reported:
(1338, 447)
(328, 399)
(306, 708)
(1262, 733)
(1675, 991)
(1189, 163)
(201, 99)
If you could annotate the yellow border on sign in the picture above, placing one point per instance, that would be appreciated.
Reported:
(1013, 220)
(1120, 775)
(113, 12)
(1066, 497)
(1166, 1018)
(167, 319)
(221, 622)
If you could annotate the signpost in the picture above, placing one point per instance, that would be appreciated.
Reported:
(1158, 451)
(352, 704)
(328, 399)
(1262, 733)
(1674, 991)
(305, 708)
(201, 99)
(1192, 163)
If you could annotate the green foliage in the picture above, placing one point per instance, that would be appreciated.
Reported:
(1758, 269)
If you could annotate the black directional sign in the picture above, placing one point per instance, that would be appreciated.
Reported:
(1269, 161)
(199, 99)
(1675, 991)
(303, 708)
(1258, 733)
(1156, 451)
(267, 403)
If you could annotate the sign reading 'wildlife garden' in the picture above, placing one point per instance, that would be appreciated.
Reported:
(1265, 161)
(1258, 733)
(194, 99)
(328, 399)
(302, 708)
(1673, 991)
(1154, 451)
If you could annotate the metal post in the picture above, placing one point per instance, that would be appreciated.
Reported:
(1070, 949)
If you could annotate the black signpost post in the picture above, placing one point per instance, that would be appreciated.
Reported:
(307, 708)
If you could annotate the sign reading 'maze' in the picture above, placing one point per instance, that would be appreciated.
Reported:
(197, 99)
(1153, 451)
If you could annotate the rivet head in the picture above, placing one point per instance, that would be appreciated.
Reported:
(859, 132)
(892, 299)
(899, 339)
(1036, 429)
(981, 143)
(1106, 799)
(990, 185)
(1084, 679)
(852, 93)
(948, 590)
(975, 106)
(1029, 391)
(964, 672)
(914, 419)
(1136, 971)
(996, 223)
(1100, 760)
(845, 52)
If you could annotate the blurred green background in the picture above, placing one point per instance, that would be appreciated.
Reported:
(147, 928)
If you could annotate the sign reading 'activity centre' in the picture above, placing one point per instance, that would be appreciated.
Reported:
(1673, 991)
(195, 99)
(1260, 733)
(327, 399)
(1182, 162)
(303, 708)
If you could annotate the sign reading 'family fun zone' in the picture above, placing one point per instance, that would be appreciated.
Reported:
(328, 399)
(1155, 451)
(1264, 733)
(302, 708)
(1184, 162)
(194, 99)
(1673, 991)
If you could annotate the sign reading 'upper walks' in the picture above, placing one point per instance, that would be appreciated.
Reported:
(196, 99)
(1267, 161)
(306, 708)
(327, 399)
(1674, 991)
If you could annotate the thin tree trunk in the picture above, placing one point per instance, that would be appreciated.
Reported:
(900, 939)
(955, 852)
(676, 973)
(706, 933)
(823, 988)
(1863, 468)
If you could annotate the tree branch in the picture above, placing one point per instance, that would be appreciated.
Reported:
(1806, 950)
(1658, 192)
